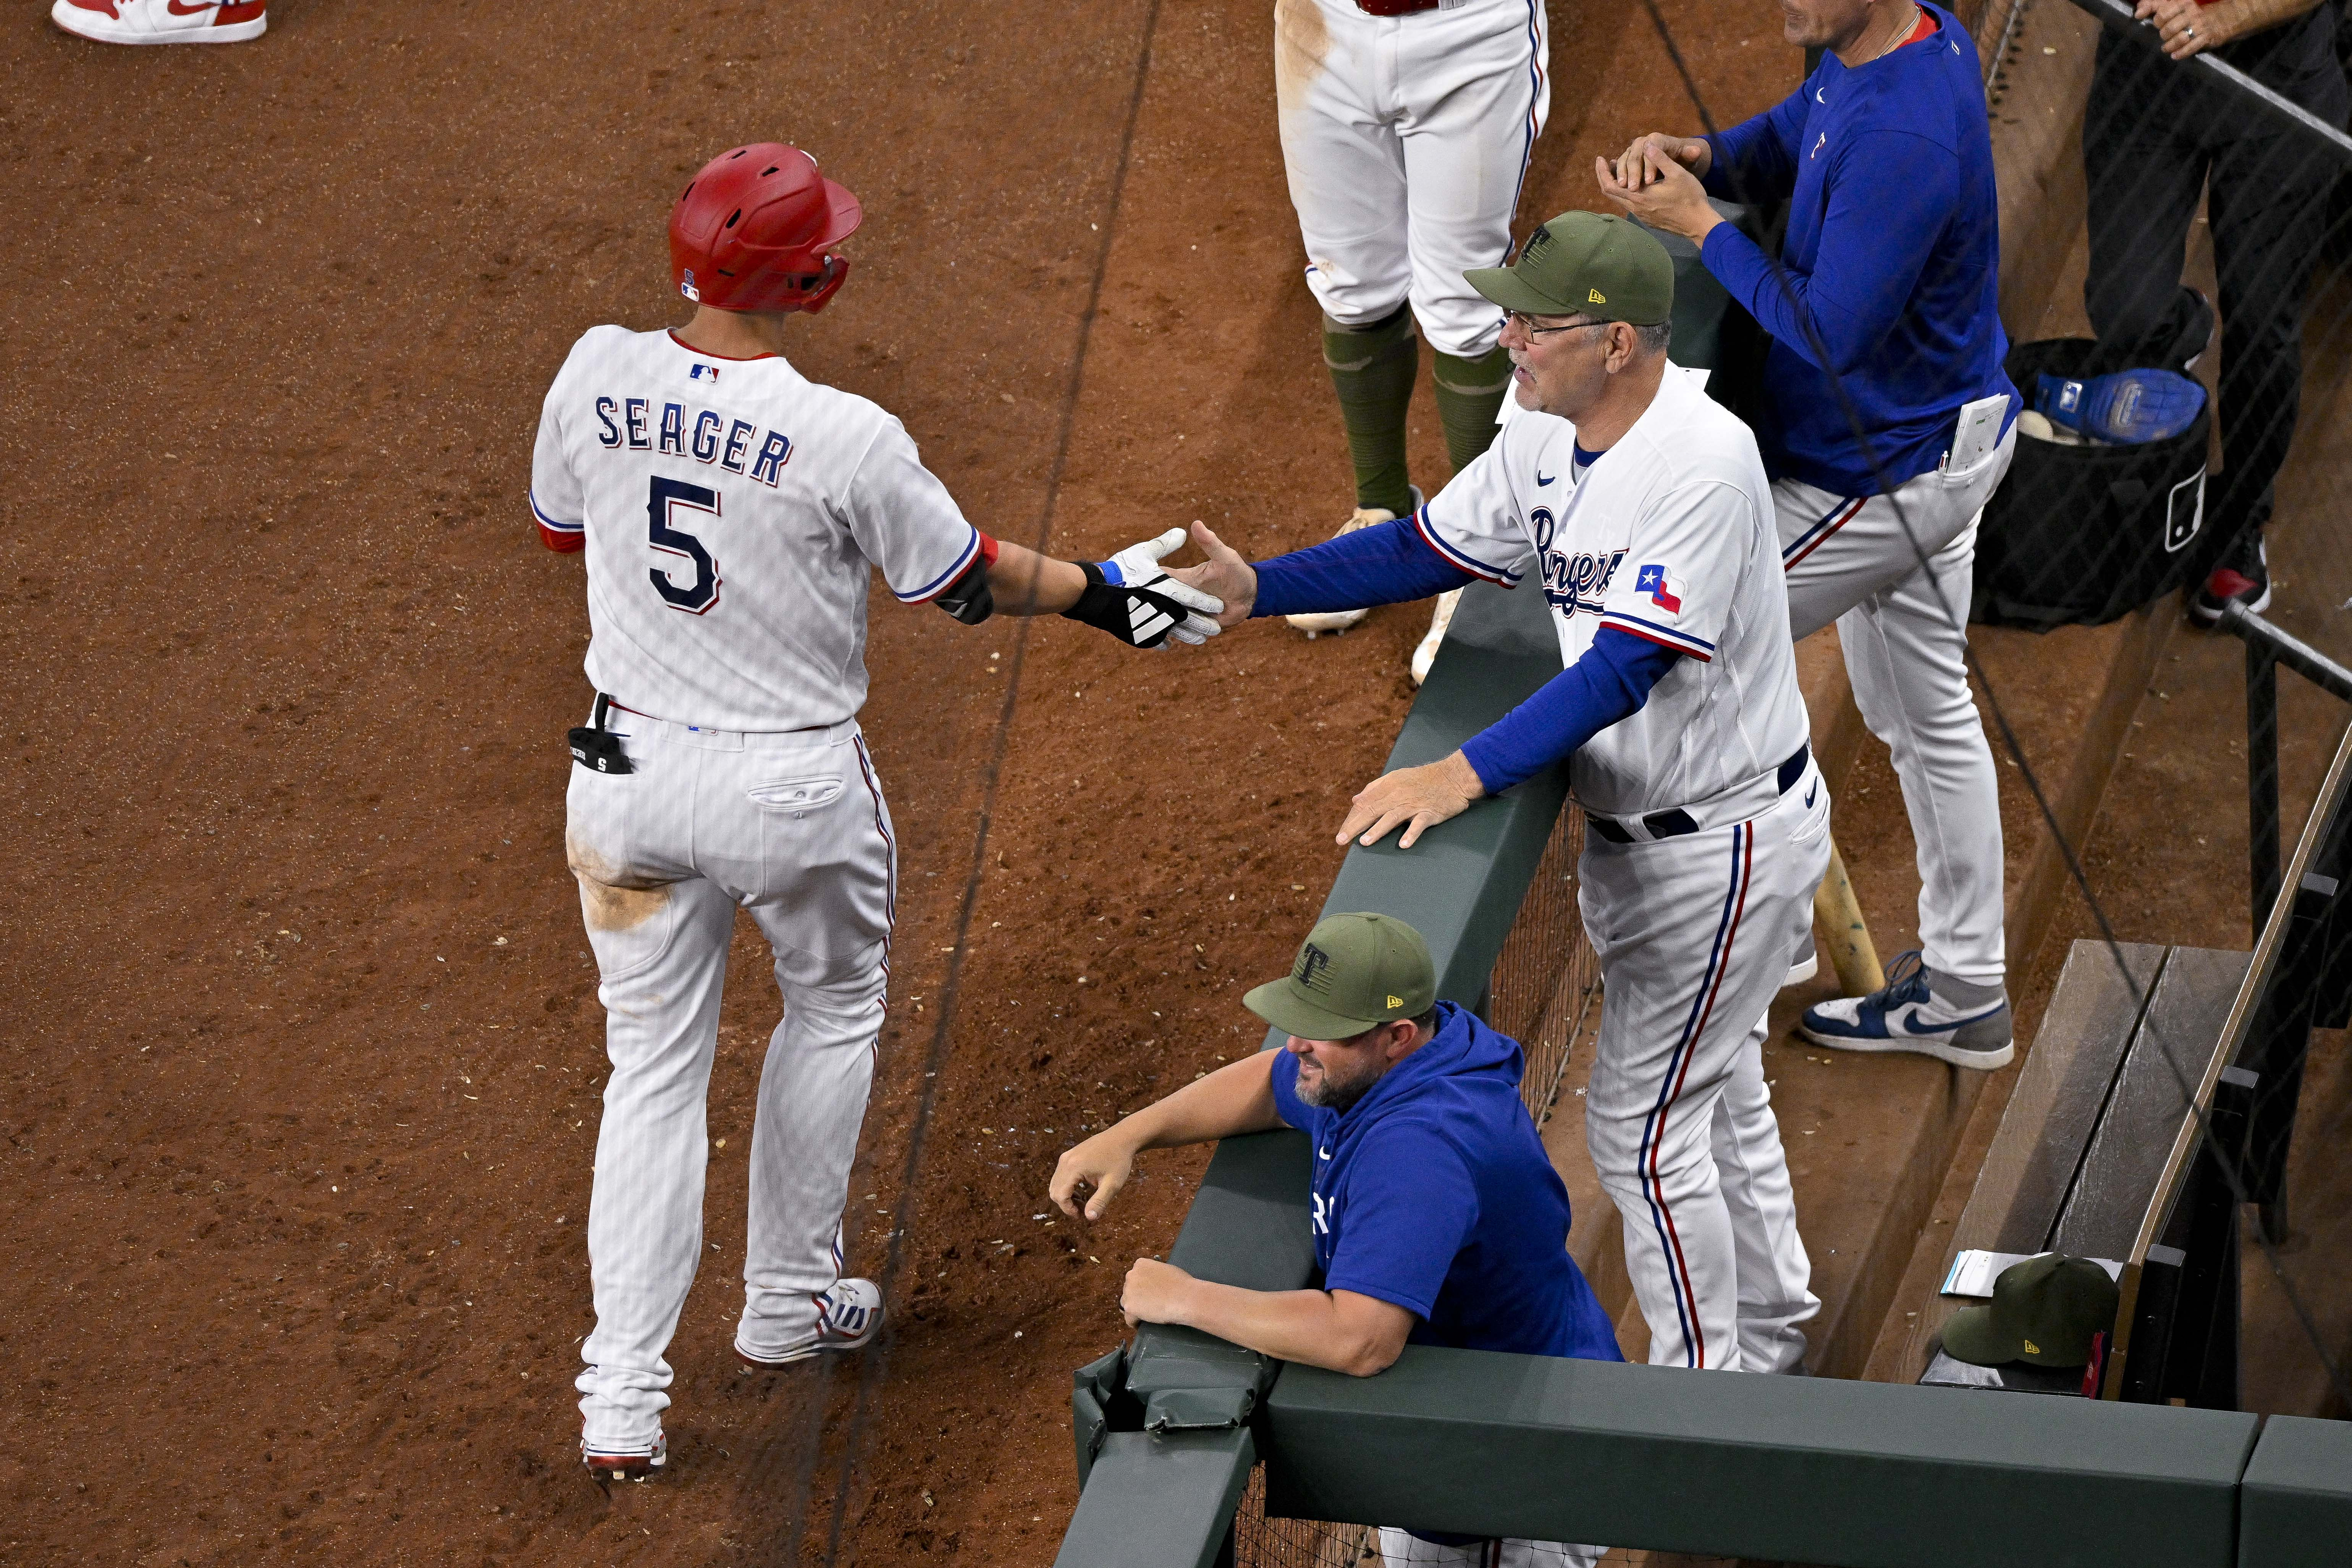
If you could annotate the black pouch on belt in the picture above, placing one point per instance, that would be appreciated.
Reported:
(595, 747)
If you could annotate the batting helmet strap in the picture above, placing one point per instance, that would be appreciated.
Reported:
(754, 231)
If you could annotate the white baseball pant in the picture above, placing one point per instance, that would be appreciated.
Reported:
(1903, 630)
(1398, 1549)
(1695, 933)
(792, 827)
(1406, 140)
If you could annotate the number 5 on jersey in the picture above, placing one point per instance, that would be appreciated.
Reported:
(664, 496)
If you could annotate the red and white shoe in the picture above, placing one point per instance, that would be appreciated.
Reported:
(847, 1316)
(162, 21)
(641, 1465)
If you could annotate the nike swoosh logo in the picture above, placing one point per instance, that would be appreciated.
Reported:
(1322, 1154)
(1911, 1021)
(1546, 479)
(1812, 792)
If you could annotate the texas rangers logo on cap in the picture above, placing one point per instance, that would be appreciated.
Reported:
(1662, 587)
(1314, 968)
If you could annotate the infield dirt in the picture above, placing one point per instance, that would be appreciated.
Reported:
(301, 1079)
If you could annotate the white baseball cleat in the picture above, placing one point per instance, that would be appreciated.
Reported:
(1426, 654)
(1805, 966)
(162, 21)
(847, 1316)
(637, 1465)
(1320, 621)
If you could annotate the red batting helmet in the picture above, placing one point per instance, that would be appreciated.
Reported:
(754, 230)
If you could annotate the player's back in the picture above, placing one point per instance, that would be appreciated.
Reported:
(732, 511)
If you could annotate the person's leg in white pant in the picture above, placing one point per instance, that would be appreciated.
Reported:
(813, 1094)
(1776, 1297)
(1695, 935)
(663, 975)
(1399, 1549)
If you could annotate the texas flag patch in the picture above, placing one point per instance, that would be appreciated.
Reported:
(1662, 587)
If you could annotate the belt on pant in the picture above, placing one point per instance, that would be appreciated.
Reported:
(1677, 822)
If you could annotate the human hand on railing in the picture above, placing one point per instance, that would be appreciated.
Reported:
(1416, 799)
(2184, 27)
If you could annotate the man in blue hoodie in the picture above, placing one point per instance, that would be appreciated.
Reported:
(1438, 1218)
(1887, 423)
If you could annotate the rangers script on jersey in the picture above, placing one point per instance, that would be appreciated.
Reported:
(1669, 536)
(733, 511)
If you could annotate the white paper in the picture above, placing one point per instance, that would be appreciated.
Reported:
(1978, 433)
(1973, 1271)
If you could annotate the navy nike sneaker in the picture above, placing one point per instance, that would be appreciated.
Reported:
(1910, 1017)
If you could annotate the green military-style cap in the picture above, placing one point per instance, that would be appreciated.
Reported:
(1352, 972)
(1585, 264)
(2044, 1311)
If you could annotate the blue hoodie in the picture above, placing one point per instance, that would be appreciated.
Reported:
(1892, 261)
(1434, 1193)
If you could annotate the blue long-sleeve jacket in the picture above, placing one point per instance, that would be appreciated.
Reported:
(1887, 290)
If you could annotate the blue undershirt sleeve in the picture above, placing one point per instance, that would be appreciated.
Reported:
(1890, 196)
(1609, 683)
(1386, 564)
(1756, 159)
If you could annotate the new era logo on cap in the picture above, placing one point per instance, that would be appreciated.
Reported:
(1396, 1001)
(1595, 296)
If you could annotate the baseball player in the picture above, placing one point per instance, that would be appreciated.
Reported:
(733, 512)
(1645, 509)
(1407, 126)
(1891, 422)
(162, 21)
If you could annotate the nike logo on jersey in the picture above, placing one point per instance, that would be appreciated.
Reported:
(1546, 479)
(1322, 1154)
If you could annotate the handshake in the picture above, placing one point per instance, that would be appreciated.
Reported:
(1135, 599)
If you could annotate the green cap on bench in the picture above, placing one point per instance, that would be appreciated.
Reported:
(1352, 972)
(2045, 1312)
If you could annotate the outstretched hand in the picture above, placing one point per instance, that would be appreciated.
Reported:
(1417, 799)
(1225, 574)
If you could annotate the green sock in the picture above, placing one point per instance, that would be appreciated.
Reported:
(1470, 392)
(1372, 369)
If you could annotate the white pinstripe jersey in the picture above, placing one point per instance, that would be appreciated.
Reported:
(1670, 536)
(734, 511)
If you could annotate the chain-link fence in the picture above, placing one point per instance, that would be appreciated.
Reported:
(1546, 991)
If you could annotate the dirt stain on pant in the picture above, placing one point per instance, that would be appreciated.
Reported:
(1301, 39)
(606, 903)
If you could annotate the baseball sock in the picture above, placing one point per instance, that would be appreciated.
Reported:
(1469, 394)
(1372, 369)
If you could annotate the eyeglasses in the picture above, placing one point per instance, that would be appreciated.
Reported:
(1528, 329)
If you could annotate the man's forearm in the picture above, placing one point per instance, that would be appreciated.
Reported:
(1023, 583)
(1306, 1326)
(1235, 1098)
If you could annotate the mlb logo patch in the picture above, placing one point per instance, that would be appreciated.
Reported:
(709, 373)
(1665, 589)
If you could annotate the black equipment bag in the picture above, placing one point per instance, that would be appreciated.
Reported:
(2082, 535)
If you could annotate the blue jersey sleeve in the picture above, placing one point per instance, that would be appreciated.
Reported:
(1609, 683)
(1756, 159)
(1877, 233)
(1408, 1206)
(1386, 564)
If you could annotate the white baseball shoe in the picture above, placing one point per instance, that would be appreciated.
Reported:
(162, 21)
(847, 1316)
(1426, 654)
(1318, 622)
(1805, 966)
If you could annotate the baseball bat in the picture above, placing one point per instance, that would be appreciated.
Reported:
(1843, 934)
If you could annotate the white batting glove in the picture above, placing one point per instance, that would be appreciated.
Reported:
(1138, 567)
